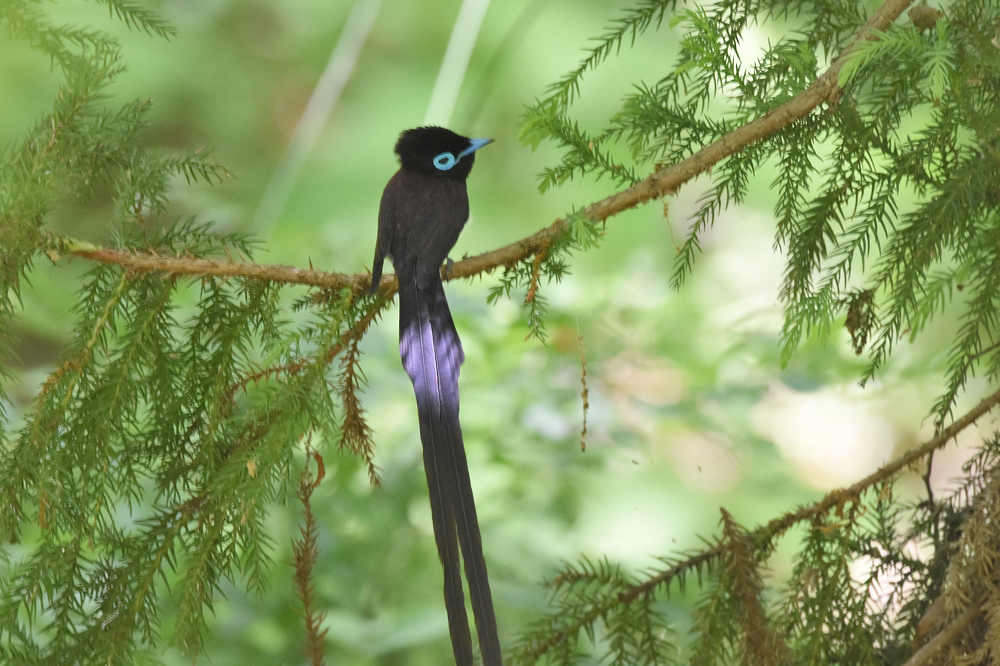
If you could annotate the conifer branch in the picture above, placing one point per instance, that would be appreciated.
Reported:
(306, 552)
(853, 493)
(763, 537)
(150, 262)
(669, 180)
(824, 89)
(356, 434)
(928, 653)
(351, 336)
(759, 643)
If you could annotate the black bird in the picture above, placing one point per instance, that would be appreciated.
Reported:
(424, 207)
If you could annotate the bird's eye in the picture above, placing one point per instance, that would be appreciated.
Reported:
(445, 161)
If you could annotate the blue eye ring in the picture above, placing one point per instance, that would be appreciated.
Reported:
(444, 161)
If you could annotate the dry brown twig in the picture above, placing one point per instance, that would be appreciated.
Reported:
(305, 550)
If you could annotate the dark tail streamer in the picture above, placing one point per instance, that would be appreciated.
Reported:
(432, 356)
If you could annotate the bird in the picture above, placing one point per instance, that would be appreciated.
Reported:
(424, 207)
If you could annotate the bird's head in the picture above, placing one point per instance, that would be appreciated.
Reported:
(438, 151)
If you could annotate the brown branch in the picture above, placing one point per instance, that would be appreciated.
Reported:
(928, 652)
(536, 270)
(584, 392)
(835, 498)
(148, 262)
(852, 493)
(759, 643)
(306, 553)
(766, 533)
(667, 181)
(662, 181)
(356, 434)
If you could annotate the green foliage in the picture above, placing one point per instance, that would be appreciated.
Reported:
(158, 412)
(81, 145)
(587, 598)
(918, 115)
(161, 414)
(144, 472)
(916, 118)
(577, 234)
(858, 594)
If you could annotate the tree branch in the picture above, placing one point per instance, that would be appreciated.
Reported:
(661, 182)
(150, 262)
(669, 180)
(928, 653)
(842, 495)
(766, 533)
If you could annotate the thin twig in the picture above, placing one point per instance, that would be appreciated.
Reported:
(306, 553)
(584, 391)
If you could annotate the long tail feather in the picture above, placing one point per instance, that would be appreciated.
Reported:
(432, 356)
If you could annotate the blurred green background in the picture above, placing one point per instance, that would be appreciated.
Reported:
(689, 410)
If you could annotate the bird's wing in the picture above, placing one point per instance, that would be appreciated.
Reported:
(386, 229)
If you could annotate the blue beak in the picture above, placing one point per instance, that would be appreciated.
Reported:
(475, 144)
